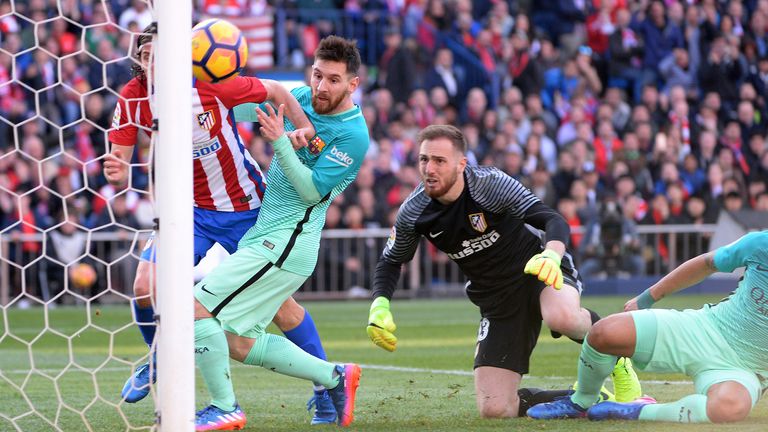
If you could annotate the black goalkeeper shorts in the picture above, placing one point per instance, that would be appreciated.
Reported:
(507, 342)
(509, 330)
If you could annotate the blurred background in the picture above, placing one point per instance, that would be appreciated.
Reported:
(642, 122)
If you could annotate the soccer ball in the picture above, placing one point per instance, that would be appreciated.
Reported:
(219, 50)
(83, 276)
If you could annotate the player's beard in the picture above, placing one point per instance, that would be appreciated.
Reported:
(326, 105)
(441, 186)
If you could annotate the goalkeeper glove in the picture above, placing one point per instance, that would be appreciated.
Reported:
(381, 326)
(546, 266)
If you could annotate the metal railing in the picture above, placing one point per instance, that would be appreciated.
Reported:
(346, 262)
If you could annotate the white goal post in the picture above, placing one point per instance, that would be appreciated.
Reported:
(174, 202)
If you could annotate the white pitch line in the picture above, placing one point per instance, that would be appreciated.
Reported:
(470, 373)
(456, 372)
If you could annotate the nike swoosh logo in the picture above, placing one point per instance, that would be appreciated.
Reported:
(434, 235)
(761, 268)
(202, 288)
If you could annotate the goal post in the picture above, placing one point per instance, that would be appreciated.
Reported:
(174, 201)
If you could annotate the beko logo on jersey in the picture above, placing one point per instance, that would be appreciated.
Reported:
(475, 245)
(340, 157)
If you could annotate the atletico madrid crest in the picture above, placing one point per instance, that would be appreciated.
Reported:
(206, 120)
(477, 220)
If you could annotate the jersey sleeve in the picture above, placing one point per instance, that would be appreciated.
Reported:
(343, 158)
(124, 131)
(729, 258)
(246, 112)
(239, 90)
(403, 240)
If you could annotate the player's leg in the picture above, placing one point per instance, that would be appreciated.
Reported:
(723, 396)
(609, 339)
(212, 358)
(562, 312)
(559, 308)
(144, 297)
(297, 325)
(730, 401)
(293, 320)
(136, 387)
(244, 293)
(496, 392)
(502, 354)
(687, 342)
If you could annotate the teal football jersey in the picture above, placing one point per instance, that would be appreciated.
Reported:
(288, 229)
(743, 316)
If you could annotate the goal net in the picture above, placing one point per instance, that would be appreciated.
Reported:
(69, 241)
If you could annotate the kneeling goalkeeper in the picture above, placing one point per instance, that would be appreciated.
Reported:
(491, 226)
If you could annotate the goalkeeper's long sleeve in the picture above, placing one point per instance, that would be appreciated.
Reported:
(385, 279)
(552, 223)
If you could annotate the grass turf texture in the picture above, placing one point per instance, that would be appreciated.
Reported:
(436, 337)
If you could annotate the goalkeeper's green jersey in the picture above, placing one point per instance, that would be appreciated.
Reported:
(288, 230)
(743, 316)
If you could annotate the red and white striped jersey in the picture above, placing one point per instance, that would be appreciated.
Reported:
(226, 176)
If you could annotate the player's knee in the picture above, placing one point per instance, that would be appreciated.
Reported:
(496, 411)
(563, 321)
(728, 405)
(604, 335)
(236, 353)
(599, 336)
(141, 287)
(496, 408)
(289, 316)
(239, 348)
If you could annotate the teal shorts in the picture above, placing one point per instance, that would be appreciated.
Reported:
(687, 342)
(245, 291)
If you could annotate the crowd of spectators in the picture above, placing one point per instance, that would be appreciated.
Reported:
(637, 112)
(615, 112)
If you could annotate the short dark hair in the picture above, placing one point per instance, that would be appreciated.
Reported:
(452, 133)
(339, 49)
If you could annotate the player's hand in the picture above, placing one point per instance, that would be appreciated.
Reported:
(631, 305)
(381, 326)
(272, 125)
(115, 169)
(644, 301)
(546, 266)
(299, 138)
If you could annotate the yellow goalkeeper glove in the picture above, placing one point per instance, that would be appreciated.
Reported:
(546, 266)
(381, 326)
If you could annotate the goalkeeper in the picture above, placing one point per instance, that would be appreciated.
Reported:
(511, 247)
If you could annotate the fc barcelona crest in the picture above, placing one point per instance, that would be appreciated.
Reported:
(316, 145)
(206, 120)
(477, 220)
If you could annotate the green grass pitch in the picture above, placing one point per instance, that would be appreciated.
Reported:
(426, 385)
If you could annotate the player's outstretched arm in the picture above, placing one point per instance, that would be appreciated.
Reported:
(116, 164)
(279, 95)
(689, 273)
(273, 130)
